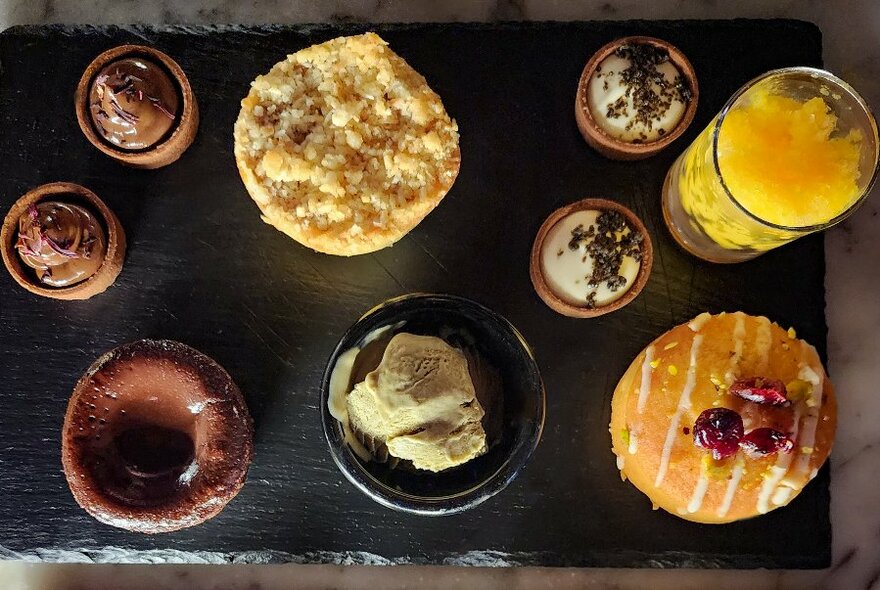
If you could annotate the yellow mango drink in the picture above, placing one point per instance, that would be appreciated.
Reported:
(793, 152)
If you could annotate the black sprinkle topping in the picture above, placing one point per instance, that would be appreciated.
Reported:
(607, 243)
(651, 93)
(591, 300)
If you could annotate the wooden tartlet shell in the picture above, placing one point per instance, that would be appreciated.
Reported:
(161, 154)
(113, 257)
(536, 270)
(616, 149)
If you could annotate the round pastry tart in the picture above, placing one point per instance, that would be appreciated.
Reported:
(156, 438)
(135, 104)
(590, 258)
(344, 147)
(723, 418)
(61, 241)
(636, 95)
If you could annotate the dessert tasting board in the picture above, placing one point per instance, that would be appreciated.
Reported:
(203, 269)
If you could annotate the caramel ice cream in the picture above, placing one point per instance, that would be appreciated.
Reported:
(420, 404)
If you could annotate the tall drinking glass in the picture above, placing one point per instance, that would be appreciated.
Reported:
(794, 151)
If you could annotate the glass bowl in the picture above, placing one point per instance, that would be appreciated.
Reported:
(522, 412)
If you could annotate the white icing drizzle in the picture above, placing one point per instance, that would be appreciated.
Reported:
(697, 323)
(732, 487)
(781, 495)
(645, 387)
(699, 493)
(739, 334)
(633, 443)
(763, 340)
(814, 376)
(684, 403)
(621, 462)
(778, 471)
(771, 481)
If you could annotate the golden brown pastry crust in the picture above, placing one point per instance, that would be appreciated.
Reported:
(364, 172)
(660, 396)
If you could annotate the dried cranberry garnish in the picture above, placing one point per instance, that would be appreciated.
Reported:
(718, 430)
(765, 441)
(761, 391)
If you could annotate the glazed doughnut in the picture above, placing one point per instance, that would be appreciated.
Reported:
(700, 366)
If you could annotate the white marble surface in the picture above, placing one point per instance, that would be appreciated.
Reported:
(851, 29)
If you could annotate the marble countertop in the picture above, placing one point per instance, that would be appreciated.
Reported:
(852, 286)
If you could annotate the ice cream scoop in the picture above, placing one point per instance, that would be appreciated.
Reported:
(420, 403)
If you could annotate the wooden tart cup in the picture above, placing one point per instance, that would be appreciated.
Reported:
(536, 269)
(166, 151)
(76, 195)
(614, 148)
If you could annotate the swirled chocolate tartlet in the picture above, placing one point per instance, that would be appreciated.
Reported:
(135, 104)
(157, 437)
(61, 241)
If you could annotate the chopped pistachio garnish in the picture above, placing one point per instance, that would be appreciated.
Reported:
(807, 450)
(655, 363)
(792, 334)
(673, 370)
(798, 389)
(624, 435)
(715, 469)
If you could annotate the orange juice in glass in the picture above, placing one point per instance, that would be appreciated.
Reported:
(792, 152)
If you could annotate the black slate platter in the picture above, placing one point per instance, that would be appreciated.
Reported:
(203, 269)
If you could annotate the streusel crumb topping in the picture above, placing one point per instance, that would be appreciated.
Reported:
(345, 136)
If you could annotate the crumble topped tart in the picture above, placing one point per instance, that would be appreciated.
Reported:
(344, 147)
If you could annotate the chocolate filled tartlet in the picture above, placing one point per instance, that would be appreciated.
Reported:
(135, 104)
(156, 438)
(61, 241)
